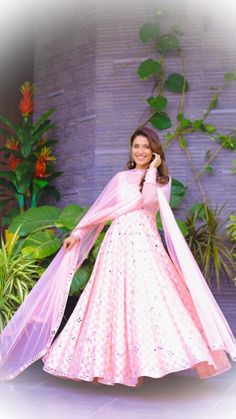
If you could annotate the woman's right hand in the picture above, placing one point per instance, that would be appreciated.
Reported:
(69, 242)
(156, 162)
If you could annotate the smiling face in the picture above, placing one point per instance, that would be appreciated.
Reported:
(141, 152)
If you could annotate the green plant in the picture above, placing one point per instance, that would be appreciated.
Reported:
(209, 248)
(231, 227)
(165, 43)
(178, 191)
(209, 242)
(42, 231)
(18, 273)
(28, 156)
(44, 228)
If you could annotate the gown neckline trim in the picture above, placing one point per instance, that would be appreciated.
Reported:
(138, 170)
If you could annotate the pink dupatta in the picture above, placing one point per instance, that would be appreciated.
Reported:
(31, 330)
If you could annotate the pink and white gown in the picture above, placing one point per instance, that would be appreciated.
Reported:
(136, 316)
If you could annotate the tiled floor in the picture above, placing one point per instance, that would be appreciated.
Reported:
(35, 394)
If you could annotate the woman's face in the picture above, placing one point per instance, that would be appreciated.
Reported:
(141, 152)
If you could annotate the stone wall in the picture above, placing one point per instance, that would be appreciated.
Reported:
(85, 66)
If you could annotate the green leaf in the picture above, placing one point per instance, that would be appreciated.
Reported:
(7, 122)
(9, 175)
(175, 83)
(70, 216)
(46, 126)
(25, 138)
(42, 119)
(170, 136)
(149, 31)
(182, 226)
(49, 143)
(41, 244)
(213, 88)
(167, 43)
(158, 221)
(54, 175)
(80, 279)
(230, 76)
(41, 183)
(185, 123)
(161, 121)
(199, 211)
(213, 103)
(35, 218)
(24, 172)
(52, 191)
(26, 131)
(197, 124)
(210, 128)
(97, 244)
(209, 169)
(148, 68)
(180, 116)
(178, 191)
(227, 141)
(157, 102)
(182, 142)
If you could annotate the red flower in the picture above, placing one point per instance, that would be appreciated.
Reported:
(40, 168)
(13, 144)
(44, 154)
(26, 103)
(43, 157)
(13, 161)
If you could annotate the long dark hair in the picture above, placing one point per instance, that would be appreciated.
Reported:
(155, 145)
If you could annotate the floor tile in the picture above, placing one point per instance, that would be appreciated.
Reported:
(35, 394)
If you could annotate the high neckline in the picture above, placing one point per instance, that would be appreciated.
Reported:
(138, 170)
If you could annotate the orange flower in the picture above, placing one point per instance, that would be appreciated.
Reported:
(43, 157)
(44, 154)
(13, 161)
(40, 169)
(26, 103)
(13, 144)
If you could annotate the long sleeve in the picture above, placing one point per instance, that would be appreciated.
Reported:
(117, 198)
(80, 232)
(149, 190)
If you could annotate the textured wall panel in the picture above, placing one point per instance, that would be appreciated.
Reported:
(85, 67)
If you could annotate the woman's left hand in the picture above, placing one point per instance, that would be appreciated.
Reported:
(156, 162)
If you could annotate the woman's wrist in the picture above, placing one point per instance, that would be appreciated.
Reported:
(75, 234)
(151, 175)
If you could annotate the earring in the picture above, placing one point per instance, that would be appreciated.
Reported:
(132, 163)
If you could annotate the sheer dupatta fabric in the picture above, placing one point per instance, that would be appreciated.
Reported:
(214, 324)
(30, 332)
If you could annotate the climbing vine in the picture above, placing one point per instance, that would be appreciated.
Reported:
(206, 244)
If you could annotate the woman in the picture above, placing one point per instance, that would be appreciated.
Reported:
(143, 312)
